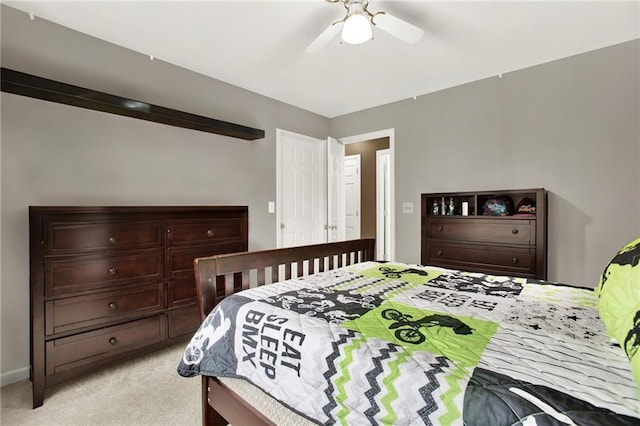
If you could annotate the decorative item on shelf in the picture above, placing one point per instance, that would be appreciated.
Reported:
(526, 208)
(451, 207)
(435, 208)
(498, 206)
(465, 208)
(443, 207)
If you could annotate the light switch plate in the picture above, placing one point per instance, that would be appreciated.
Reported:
(272, 207)
(407, 208)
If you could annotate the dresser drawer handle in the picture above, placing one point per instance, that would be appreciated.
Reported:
(515, 260)
(515, 231)
(113, 306)
(210, 233)
(112, 271)
(439, 253)
(113, 240)
(440, 228)
(113, 341)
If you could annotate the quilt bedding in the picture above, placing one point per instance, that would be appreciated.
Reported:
(393, 343)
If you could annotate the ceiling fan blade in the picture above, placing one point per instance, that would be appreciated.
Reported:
(325, 37)
(398, 28)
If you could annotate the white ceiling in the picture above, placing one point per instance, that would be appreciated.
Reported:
(259, 45)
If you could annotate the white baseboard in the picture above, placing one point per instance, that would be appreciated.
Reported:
(14, 376)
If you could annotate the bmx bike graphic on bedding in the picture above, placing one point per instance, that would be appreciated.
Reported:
(394, 273)
(408, 331)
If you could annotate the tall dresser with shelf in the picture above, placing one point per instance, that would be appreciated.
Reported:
(465, 238)
(111, 282)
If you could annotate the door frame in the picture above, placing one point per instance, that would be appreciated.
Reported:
(383, 203)
(335, 190)
(388, 133)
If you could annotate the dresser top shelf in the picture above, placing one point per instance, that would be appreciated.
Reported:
(471, 204)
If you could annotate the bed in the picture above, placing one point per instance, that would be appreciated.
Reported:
(323, 334)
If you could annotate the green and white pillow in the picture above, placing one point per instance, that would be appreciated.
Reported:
(619, 301)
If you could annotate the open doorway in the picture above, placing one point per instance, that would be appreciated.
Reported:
(376, 188)
(374, 191)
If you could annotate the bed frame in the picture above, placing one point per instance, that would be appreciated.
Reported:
(220, 276)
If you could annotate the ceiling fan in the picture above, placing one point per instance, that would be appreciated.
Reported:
(357, 23)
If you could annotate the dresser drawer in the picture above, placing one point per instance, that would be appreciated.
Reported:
(503, 231)
(84, 273)
(180, 260)
(205, 231)
(505, 260)
(73, 313)
(85, 348)
(65, 237)
(181, 292)
(184, 321)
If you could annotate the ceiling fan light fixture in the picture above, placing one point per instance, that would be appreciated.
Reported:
(356, 28)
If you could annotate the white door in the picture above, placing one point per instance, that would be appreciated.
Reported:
(352, 194)
(301, 181)
(335, 190)
(383, 208)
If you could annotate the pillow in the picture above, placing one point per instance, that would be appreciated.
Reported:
(619, 301)
(631, 342)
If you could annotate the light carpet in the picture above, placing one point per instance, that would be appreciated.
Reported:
(143, 391)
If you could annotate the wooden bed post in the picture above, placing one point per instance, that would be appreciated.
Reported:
(210, 417)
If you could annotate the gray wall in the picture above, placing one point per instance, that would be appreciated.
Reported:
(570, 126)
(55, 154)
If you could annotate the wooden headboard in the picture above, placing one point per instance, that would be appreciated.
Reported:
(220, 276)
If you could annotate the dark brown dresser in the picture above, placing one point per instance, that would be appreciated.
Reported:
(463, 236)
(111, 282)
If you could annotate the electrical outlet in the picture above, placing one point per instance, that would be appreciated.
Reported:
(271, 207)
